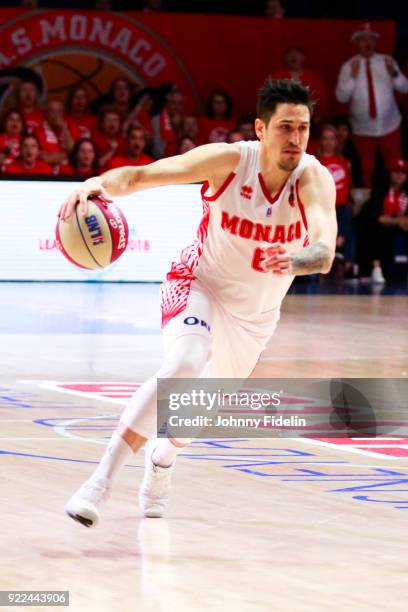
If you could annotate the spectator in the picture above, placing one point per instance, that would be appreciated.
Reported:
(147, 103)
(186, 144)
(108, 138)
(274, 9)
(151, 6)
(218, 122)
(348, 149)
(191, 129)
(134, 156)
(121, 95)
(391, 228)
(177, 122)
(28, 105)
(56, 140)
(166, 125)
(78, 117)
(294, 68)
(339, 167)
(246, 128)
(12, 130)
(84, 160)
(140, 114)
(29, 161)
(367, 81)
(234, 136)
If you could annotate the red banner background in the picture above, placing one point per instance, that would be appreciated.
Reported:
(202, 52)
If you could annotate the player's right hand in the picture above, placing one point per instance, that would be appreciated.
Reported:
(90, 187)
(276, 260)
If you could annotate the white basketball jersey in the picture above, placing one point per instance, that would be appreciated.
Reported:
(239, 221)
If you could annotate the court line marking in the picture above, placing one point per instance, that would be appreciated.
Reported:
(14, 439)
(54, 385)
(351, 449)
(60, 429)
(334, 359)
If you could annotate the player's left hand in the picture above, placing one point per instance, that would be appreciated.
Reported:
(277, 260)
(390, 64)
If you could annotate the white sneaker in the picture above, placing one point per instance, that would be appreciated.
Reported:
(155, 490)
(377, 276)
(84, 504)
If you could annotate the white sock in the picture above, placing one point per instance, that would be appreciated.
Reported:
(165, 452)
(116, 455)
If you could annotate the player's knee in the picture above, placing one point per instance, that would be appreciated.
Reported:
(183, 368)
(186, 363)
(188, 368)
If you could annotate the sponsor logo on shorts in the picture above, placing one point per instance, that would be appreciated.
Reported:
(196, 321)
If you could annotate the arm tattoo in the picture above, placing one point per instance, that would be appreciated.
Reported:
(313, 259)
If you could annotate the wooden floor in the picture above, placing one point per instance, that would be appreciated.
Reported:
(254, 525)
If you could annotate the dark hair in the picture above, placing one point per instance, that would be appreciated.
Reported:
(33, 137)
(227, 100)
(33, 81)
(71, 95)
(73, 156)
(116, 81)
(327, 126)
(135, 126)
(340, 120)
(4, 118)
(281, 91)
(243, 120)
(26, 137)
(107, 109)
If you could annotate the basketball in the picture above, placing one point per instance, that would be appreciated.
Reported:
(96, 240)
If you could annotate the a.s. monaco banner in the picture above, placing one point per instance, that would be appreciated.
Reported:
(196, 52)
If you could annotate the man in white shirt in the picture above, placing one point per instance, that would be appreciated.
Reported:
(367, 82)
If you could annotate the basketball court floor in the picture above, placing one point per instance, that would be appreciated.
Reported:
(254, 524)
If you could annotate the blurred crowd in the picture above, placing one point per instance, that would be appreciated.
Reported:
(346, 9)
(364, 149)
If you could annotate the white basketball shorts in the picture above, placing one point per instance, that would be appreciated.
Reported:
(236, 344)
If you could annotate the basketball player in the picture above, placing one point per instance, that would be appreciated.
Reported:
(269, 214)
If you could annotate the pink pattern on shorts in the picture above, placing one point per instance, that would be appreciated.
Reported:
(176, 288)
